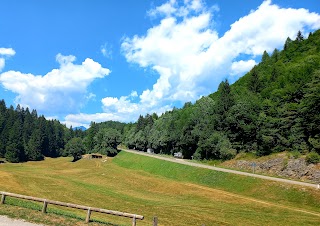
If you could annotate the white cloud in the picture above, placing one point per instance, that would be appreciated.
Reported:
(106, 50)
(134, 93)
(91, 96)
(2, 63)
(62, 90)
(175, 50)
(82, 119)
(166, 9)
(191, 59)
(112, 114)
(65, 60)
(117, 109)
(7, 51)
(122, 105)
(241, 66)
(174, 8)
(267, 28)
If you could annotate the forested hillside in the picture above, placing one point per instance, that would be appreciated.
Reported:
(274, 107)
(26, 136)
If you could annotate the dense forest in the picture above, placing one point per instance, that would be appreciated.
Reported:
(26, 136)
(275, 107)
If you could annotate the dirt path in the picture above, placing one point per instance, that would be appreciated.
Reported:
(181, 161)
(5, 221)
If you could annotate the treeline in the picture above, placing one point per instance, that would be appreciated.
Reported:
(274, 107)
(104, 137)
(26, 136)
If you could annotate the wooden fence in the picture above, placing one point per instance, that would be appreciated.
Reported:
(89, 209)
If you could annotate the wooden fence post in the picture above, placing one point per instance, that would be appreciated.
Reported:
(3, 198)
(88, 215)
(45, 204)
(134, 222)
(155, 221)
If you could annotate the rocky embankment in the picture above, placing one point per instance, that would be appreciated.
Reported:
(297, 169)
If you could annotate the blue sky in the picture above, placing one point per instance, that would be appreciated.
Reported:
(93, 60)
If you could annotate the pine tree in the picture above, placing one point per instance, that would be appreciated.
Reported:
(265, 57)
(15, 149)
(254, 81)
(310, 107)
(224, 103)
(34, 146)
(3, 114)
(287, 43)
(275, 55)
(299, 37)
(273, 75)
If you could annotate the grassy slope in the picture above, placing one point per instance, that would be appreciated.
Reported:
(177, 194)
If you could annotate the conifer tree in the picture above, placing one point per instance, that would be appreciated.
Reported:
(299, 37)
(254, 81)
(265, 56)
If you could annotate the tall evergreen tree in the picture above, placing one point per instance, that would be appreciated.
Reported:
(34, 146)
(254, 81)
(299, 37)
(265, 57)
(287, 43)
(224, 103)
(14, 148)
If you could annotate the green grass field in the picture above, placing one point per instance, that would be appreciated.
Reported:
(177, 194)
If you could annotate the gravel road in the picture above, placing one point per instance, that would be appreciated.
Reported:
(5, 221)
(181, 161)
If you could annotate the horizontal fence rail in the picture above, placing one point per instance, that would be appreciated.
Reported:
(71, 205)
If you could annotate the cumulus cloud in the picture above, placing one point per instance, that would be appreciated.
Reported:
(62, 90)
(122, 116)
(5, 52)
(122, 109)
(191, 59)
(174, 50)
(82, 119)
(241, 66)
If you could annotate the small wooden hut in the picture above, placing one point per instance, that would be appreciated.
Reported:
(95, 156)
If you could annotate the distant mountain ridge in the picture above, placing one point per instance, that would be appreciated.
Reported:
(82, 128)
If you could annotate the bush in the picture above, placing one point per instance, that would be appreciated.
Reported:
(227, 153)
(313, 157)
(197, 154)
(295, 154)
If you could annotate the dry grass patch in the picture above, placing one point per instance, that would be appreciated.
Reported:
(110, 185)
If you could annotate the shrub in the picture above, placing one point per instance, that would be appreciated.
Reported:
(313, 157)
(295, 154)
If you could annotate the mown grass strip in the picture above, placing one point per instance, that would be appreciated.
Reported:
(248, 186)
